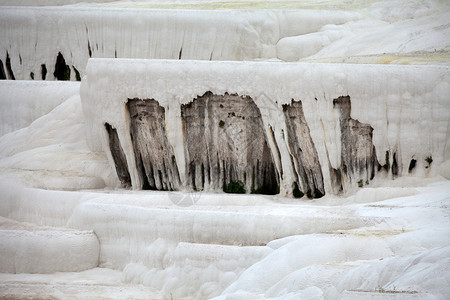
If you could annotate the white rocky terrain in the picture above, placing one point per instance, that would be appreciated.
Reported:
(332, 116)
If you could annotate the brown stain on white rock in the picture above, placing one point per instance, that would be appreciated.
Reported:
(226, 142)
(303, 151)
(155, 159)
(358, 158)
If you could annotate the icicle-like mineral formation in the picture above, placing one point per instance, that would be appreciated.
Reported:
(28, 44)
(234, 126)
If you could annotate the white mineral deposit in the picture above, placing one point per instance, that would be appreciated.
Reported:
(212, 149)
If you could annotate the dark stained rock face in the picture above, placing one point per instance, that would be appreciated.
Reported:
(358, 157)
(155, 159)
(118, 155)
(226, 143)
(303, 151)
(226, 147)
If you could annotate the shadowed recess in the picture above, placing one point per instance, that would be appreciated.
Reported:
(8, 67)
(2, 71)
(43, 71)
(62, 71)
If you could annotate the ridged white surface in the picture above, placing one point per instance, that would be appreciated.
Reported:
(27, 248)
(224, 244)
(34, 35)
(388, 241)
(23, 102)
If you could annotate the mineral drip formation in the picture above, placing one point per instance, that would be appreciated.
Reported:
(226, 145)
(292, 129)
